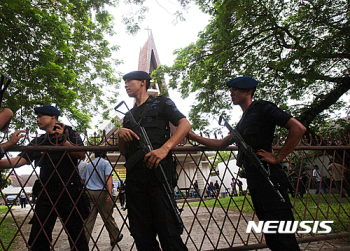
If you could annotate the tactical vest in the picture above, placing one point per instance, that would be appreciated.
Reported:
(258, 132)
(154, 122)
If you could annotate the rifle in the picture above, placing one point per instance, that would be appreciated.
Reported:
(4, 80)
(146, 147)
(249, 152)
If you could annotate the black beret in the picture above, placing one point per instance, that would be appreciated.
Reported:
(47, 110)
(242, 82)
(139, 75)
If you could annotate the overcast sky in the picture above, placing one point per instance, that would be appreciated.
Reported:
(167, 38)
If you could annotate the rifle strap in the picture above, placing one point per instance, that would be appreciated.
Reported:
(148, 106)
(238, 126)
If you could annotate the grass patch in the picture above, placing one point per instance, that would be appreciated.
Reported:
(8, 229)
(233, 203)
(323, 208)
(3, 209)
(316, 208)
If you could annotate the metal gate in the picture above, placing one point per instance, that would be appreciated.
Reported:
(214, 219)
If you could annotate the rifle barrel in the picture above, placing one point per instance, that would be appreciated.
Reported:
(248, 150)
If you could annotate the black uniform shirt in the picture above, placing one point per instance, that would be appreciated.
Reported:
(154, 115)
(47, 160)
(257, 128)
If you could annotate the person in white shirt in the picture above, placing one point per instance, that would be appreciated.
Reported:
(23, 200)
(316, 174)
(99, 183)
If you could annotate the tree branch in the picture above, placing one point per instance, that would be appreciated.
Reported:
(319, 105)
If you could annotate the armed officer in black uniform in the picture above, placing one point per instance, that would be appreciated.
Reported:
(148, 210)
(57, 171)
(257, 127)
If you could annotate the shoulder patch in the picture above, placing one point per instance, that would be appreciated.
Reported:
(155, 104)
(171, 103)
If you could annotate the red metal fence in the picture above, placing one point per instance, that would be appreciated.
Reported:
(214, 220)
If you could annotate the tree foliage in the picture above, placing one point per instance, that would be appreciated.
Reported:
(139, 10)
(56, 53)
(4, 180)
(299, 52)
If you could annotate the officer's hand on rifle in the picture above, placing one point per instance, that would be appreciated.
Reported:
(127, 135)
(267, 157)
(154, 157)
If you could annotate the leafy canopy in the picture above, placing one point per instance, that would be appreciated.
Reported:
(139, 10)
(56, 54)
(299, 51)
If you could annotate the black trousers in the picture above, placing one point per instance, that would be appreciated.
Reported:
(122, 199)
(150, 215)
(46, 213)
(276, 242)
(23, 202)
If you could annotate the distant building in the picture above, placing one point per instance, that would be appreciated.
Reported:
(19, 181)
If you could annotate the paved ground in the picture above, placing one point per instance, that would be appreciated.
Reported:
(195, 237)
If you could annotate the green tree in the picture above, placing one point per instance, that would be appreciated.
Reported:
(56, 53)
(4, 180)
(299, 51)
(133, 18)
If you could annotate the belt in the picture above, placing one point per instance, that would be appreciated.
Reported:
(58, 186)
